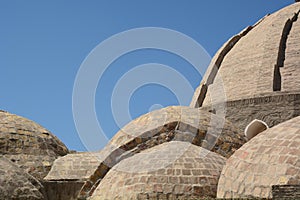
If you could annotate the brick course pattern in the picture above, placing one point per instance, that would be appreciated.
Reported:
(270, 158)
(17, 184)
(173, 170)
(172, 123)
(260, 62)
(285, 192)
(206, 129)
(273, 109)
(28, 144)
(76, 166)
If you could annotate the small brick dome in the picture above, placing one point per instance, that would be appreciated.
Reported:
(174, 123)
(171, 170)
(270, 158)
(28, 144)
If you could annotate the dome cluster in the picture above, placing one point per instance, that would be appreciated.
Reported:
(239, 138)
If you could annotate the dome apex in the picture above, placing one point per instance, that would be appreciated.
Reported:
(257, 70)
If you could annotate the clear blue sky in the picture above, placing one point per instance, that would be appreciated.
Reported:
(43, 43)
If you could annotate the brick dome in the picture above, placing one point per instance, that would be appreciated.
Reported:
(180, 123)
(28, 144)
(256, 73)
(270, 158)
(174, 123)
(173, 170)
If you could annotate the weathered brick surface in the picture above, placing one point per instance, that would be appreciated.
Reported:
(173, 170)
(36, 165)
(286, 192)
(20, 135)
(247, 69)
(290, 72)
(77, 166)
(244, 75)
(207, 129)
(28, 144)
(270, 108)
(148, 125)
(270, 158)
(15, 183)
(62, 190)
(204, 129)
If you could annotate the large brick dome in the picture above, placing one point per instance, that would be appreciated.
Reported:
(256, 73)
(28, 144)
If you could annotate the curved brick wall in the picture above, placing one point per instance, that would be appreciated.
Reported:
(28, 144)
(261, 61)
(172, 123)
(173, 170)
(270, 158)
(205, 129)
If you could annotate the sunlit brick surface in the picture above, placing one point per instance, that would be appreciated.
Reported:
(258, 71)
(270, 158)
(28, 144)
(171, 170)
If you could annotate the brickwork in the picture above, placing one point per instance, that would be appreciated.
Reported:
(258, 54)
(77, 166)
(62, 190)
(17, 184)
(209, 130)
(36, 165)
(245, 75)
(270, 158)
(285, 192)
(173, 170)
(180, 152)
(290, 72)
(28, 144)
(147, 131)
(270, 108)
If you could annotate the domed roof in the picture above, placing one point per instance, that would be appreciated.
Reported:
(28, 144)
(174, 123)
(246, 63)
(257, 71)
(17, 184)
(199, 127)
(270, 158)
(173, 170)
